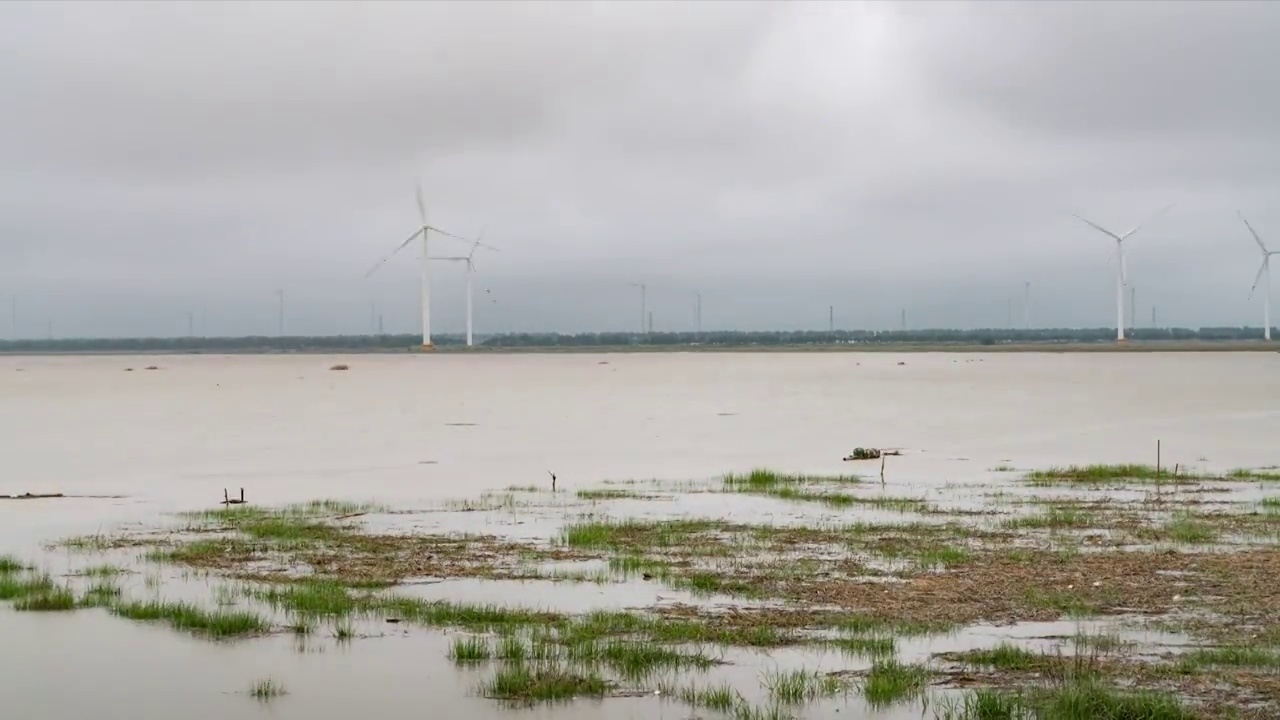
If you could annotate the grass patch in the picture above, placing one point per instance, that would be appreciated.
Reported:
(762, 479)
(639, 660)
(444, 613)
(55, 599)
(798, 686)
(1260, 474)
(520, 682)
(1005, 656)
(312, 599)
(10, 564)
(343, 632)
(470, 650)
(1184, 528)
(1107, 474)
(719, 698)
(101, 594)
(1055, 519)
(1099, 642)
(890, 681)
(186, 616)
(15, 586)
(942, 556)
(608, 494)
(636, 534)
(1251, 657)
(266, 689)
(865, 647)
(1090, 699)
(103, 571)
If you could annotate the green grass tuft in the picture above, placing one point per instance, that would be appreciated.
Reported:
(890, 681)
(1184, 528)
(1107, 474)
(520, 682)
(762, 479)
(1253, 657)
(720, 698)
(470, 650)
(1005, 656)
(54, 599)
(266, 689)
(15, 586)
(10, 564)
(867, 647)
(799, 686)
(186, 616)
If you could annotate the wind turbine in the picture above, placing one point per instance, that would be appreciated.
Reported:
(644, 304)
(469, 259)
(425, 231)
(1120, 271)
(1264, 269)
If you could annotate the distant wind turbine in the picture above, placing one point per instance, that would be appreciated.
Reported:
(1264, 269)
(644, 304)
(424, 231)
(1120, 271)
(469, 259)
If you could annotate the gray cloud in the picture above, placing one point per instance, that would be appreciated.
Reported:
(166, 158)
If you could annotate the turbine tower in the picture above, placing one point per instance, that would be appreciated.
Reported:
(425, 231)
(1265, 269)
(1120, 271)
(469, 259)
(644, 304)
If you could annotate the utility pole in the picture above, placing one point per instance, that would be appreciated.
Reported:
(280, 320)
(380, 330)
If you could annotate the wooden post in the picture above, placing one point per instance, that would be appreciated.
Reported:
(882, 469)
(1157, 457)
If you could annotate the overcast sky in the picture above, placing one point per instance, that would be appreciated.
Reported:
(160, 159)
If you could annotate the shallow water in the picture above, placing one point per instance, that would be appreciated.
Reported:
(414, 432)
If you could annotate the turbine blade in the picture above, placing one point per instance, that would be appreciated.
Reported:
(1261, 269)
(1158, 213)
(478, 242)
(437, 230)
(1097, 227)
(1252, 231)
(422, 206)
(391, 254)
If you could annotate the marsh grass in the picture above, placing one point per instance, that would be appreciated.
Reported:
(1259, 474)
(982, 704)
(639, 660)
(610, 494)
(53, 599)
(719, 698)
(1105, 643)
(471, 649)
(192, 618)
(1187, 529)
(1005, 656)
(794, 687)
(1109, 474)
(101, 594)
(763, 478)
(524, 683)
(102, 571)
(311, 599)
(1056, 518)
(865, 647)
(890, 681)
(942, 556)
(636, 534)
(343, 632)
(266, 689)
(1235, 656)
(10, 564)
(16, 586)
(1091, 699)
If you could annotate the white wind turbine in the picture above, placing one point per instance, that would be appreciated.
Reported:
(469, 259)
(1120, 270)
(1264, 269)
(425, 231)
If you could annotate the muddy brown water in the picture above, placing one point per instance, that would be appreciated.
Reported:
(413, 431)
